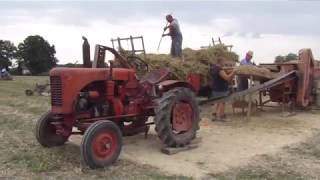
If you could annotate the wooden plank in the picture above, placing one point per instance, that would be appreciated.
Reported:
(171, 150)
(250, 99)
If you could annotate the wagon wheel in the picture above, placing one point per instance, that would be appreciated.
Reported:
(138, 64)
(46, 132)
(29, 92)
(177, 117)
(101, 144)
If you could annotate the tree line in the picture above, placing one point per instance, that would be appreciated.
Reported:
(286, 58)
(34, 53)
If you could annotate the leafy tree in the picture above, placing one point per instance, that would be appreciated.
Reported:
(72, 65)
(279, 59)
(37, 54)
(287, 58)
(7, 53)
(291, 56)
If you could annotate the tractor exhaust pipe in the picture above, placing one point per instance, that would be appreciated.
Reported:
(86, 53)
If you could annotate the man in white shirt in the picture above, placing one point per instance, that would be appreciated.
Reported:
(176, 36)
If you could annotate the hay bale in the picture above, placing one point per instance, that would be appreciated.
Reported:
(256, 72)
(195, 61)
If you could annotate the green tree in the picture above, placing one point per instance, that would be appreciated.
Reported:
(291, 56)
(7, 53)
(287, 58)
(37, 54)
(279, 59)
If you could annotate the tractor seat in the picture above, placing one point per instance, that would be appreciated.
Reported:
(156, 76)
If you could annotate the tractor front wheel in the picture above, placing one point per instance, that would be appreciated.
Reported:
(101, 144)
(177, 117)
(46, 132)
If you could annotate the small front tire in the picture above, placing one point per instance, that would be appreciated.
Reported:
(101, 144)
(45, 132)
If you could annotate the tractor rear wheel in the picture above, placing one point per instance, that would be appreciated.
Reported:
(46, 132)
(101, 144)
(177, 117)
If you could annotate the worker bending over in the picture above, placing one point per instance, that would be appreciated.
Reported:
(176, 36)
(220, 87)
(243, 81)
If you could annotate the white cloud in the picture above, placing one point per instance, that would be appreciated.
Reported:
(68, 42)
(225, 25)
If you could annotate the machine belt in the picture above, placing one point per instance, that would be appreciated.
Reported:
(271, 83)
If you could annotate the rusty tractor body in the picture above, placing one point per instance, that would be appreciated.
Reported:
(105, 103)
(298, 91)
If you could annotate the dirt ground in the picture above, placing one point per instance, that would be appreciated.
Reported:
(268, 146)
(224, 145)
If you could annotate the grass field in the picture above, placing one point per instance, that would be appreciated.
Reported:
(21, 156)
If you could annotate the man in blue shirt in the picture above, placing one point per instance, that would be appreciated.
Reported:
(243, 81)
(220, 84)
(247, 59)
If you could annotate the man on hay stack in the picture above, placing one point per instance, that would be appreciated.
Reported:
(176, 36)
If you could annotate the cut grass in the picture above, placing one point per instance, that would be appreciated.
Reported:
(310, 148)
(293, 163)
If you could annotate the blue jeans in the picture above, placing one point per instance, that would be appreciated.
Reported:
(219, 94)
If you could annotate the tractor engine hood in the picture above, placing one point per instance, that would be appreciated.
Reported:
(66, 83)
(80, 74)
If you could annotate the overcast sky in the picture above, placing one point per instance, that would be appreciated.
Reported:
(269, 28)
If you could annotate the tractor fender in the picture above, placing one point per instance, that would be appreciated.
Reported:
(166, 85)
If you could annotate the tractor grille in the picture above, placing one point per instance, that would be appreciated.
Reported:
(56, 90)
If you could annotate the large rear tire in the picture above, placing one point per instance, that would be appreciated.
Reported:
(177, 117)
(45, 132)
(101, 144)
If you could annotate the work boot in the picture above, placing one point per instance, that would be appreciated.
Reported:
(221, 118)
(214, 117)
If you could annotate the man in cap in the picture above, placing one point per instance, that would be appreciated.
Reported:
(243, 81)
(176, 36)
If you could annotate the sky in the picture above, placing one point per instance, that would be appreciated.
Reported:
(269, 28)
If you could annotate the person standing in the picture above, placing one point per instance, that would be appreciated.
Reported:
(176, 36)
(220, 86)
(243, 81)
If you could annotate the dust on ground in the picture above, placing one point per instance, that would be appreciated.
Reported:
(225, 145)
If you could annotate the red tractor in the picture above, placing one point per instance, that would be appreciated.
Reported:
(105, 103)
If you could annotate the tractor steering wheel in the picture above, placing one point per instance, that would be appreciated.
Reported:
(138, 64)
